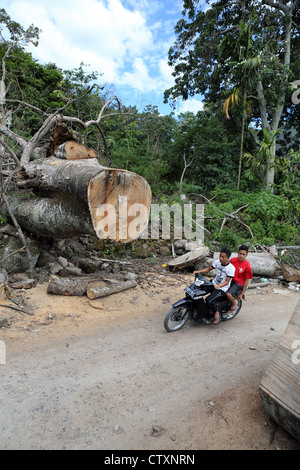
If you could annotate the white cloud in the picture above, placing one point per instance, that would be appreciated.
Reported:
(166, 73)
(139, 76)
(193, 105)
(86, 31)
(127, 41)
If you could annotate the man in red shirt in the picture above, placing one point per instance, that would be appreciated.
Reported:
(242, 276)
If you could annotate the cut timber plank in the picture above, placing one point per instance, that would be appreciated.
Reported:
(280, 386)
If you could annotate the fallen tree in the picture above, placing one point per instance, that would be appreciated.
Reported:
(74, 197)
(63, 189)
(69, 193)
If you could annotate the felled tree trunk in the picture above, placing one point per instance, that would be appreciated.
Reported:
(74, 151)
(102, 290)
(80, 196)
(66, 286)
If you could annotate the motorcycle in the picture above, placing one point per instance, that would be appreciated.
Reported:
(194, 308)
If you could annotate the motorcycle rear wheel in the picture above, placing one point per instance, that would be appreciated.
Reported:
(238, 308)
(176, 318)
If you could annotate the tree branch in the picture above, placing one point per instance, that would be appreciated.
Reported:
(21, 235)
(89, 123)
(230, 216)
(12, 154)
(11, 135)
(278, 5)
(23, 103)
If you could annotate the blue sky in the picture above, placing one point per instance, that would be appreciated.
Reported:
(125, 40)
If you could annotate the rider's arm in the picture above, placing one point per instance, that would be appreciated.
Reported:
(228, 279)
(240, 296)
(204, 270)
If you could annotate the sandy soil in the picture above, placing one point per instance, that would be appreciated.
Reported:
(104, 374)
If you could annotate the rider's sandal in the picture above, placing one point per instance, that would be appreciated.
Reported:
(217, 320)
(232, 310)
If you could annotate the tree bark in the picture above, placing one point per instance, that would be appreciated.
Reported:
(3, 284)
(273, 125)
(102, 290)
(188, 258)
(57, 217)
(67, 286)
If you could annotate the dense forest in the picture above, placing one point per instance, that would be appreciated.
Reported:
(240, 155)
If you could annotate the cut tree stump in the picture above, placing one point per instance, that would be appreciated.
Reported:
(72, 150)
(102, 290)
(67, 286)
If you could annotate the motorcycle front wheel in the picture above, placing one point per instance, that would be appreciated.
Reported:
(176, 318)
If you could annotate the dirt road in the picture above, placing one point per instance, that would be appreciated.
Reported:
(104, 374)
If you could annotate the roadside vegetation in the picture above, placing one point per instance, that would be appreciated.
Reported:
(230, 156)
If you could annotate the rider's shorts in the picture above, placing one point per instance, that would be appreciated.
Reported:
(235, 289)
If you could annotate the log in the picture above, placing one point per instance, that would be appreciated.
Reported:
(290, 274)
(129, 197)
(262, 264)
(25, 284)
(76, 197)
(72, 150)
(67, 286)
(58, 217)
(188, 258)
(102, 290)
(19, 309)
(3, 284)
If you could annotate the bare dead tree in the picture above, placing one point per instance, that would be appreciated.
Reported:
(186, 165)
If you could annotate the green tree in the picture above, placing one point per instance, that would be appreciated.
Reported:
(13, 37)
(238, 52)
(199, 69)
(141, 142)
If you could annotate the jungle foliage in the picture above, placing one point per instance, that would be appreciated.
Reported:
(195, 154)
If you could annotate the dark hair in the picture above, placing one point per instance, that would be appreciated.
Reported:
(243, 247)
(226, 251)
